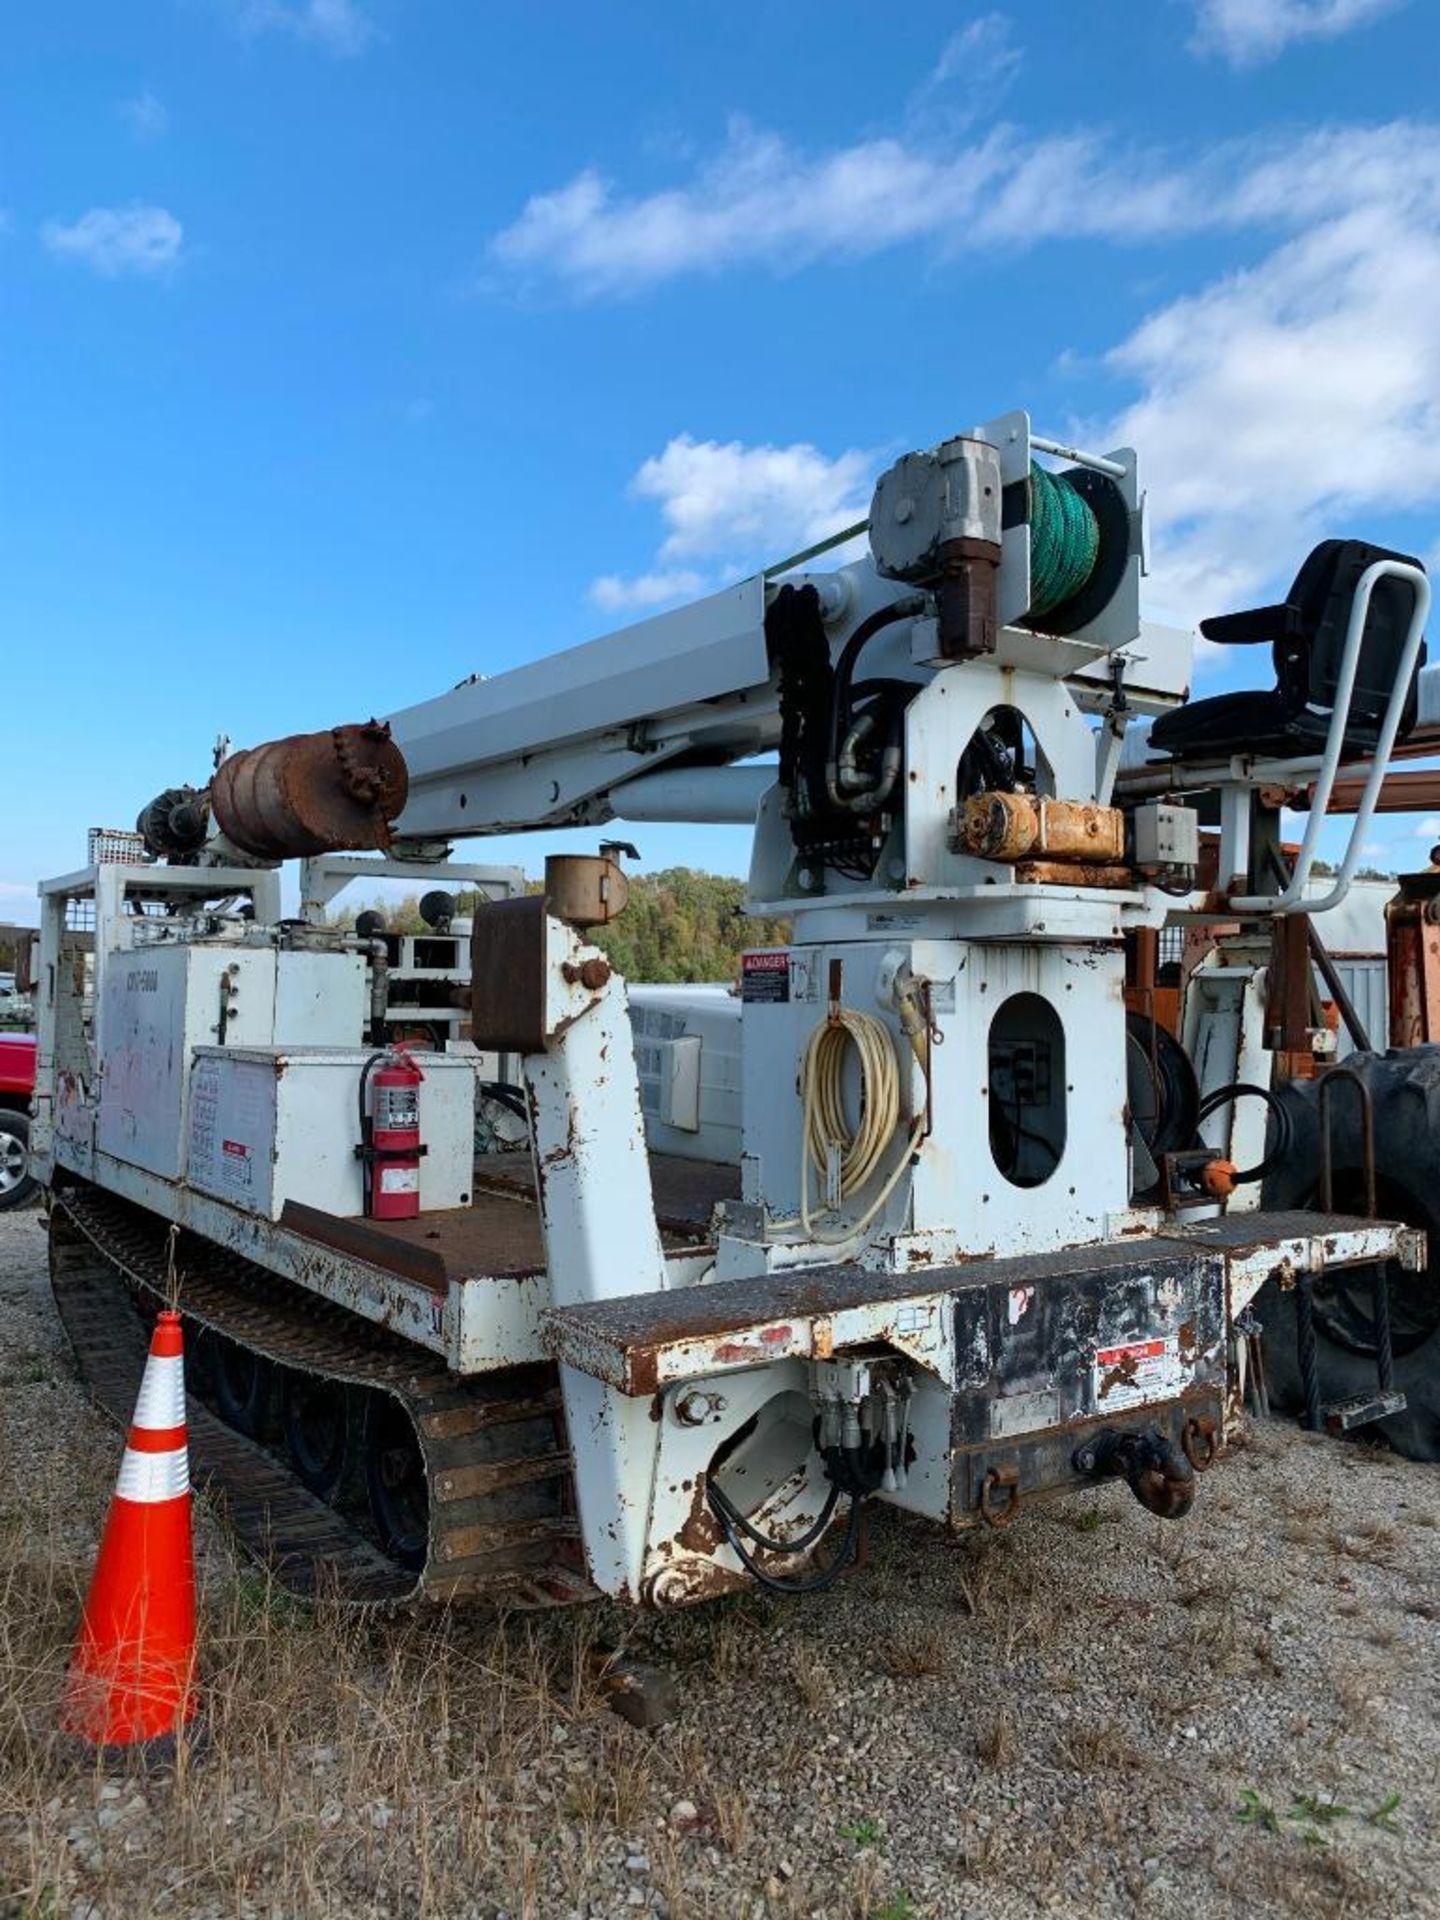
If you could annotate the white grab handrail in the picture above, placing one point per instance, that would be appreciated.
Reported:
(1293, 900)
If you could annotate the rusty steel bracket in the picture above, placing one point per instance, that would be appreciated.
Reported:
(1367, 1136)
(508, 943)
(1200, 1441)
(1151, 1465)
(1001, 1480)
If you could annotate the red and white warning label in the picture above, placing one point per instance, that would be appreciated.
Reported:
(765, 975)
(1136, 1373)
(236, 1164)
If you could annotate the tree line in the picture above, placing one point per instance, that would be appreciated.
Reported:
(680, 924)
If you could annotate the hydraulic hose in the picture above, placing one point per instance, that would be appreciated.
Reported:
(764, 1541)
(1284, 1124)
(842, 718)
(728, 1518)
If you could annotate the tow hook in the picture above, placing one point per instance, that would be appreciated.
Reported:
(1151, 1465)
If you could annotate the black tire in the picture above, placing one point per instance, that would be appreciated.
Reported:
(244, 1387)
(395, 1481)
(315, 1417)
(1404, 1086)
(17, 1183)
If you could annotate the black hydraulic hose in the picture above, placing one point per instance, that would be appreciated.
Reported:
(874, 623)
(1284, 1124)
(774, 1583)
(506, 1095)
(767, 1545)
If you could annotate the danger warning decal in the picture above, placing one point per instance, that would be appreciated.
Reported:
(236, 1165)
(765, 975)
(1136, 1373)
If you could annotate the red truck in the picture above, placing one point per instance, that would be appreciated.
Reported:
(17, 1088)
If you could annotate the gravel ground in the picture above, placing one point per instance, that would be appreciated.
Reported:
(1094, 1713)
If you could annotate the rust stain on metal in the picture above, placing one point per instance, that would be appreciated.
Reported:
(1122, 1375)
(701, 1531)
(312, 793)
(734, 1353)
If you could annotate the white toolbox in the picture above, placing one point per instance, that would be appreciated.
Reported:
(271, 1124)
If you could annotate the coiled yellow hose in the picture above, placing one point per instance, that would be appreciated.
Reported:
(825, 1128)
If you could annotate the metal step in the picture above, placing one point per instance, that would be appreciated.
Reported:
(1343, 1416)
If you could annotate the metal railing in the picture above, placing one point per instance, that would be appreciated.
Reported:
(1293, 899)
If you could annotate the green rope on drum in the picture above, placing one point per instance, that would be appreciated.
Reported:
(1064, 541)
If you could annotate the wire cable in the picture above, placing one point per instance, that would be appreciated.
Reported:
(1284, 1124)
(777, 1583)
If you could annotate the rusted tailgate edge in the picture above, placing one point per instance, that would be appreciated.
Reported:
(1259, 1246)
(644, 1342)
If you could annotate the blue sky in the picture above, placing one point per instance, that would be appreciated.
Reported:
(354, 346)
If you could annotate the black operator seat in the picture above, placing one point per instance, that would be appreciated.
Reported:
(1306, 633)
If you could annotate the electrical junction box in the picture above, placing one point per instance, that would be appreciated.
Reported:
(271, 1124)
(160, 1003)
(1166, 836)
(687, 1057)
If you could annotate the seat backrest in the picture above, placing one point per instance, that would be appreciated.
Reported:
(1308, 654)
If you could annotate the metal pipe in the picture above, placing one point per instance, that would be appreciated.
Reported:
(1409, 791)
(1115, 468)
(728, 796)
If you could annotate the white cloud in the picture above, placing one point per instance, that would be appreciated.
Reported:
(1302, 396)
(339, 26)
(1295, 399)
(646, 590)
(719, 499)
(728, 508)
(976, 66)
(761, 202)
(118, 240)
(982, 51)
(146, 116)
(1246, 32)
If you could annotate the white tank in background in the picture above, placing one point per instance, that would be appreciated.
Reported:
(687, 1052)
(1354, 934)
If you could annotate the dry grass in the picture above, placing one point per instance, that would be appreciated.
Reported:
(916, 1652)
(347, 1764)
(995, 1740)
(1101, 1747)
(1054, 1719)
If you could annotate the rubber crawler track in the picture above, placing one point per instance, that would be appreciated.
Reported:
(502, 1526)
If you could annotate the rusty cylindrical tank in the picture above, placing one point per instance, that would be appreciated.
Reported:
(312, 793)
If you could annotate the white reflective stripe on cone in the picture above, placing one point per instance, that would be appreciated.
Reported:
(162, 1393)
(149, 1478)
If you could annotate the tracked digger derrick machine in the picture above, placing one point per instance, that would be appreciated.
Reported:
(976, 1235)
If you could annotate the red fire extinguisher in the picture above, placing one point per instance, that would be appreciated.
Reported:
(390, 1146)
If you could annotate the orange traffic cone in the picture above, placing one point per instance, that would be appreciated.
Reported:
(131, 1675)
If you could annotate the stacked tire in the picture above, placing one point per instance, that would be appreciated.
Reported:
(1404, 1086)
